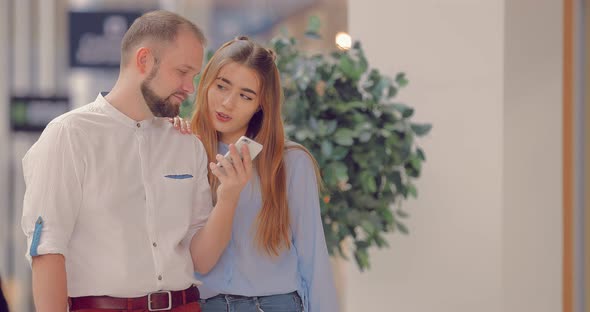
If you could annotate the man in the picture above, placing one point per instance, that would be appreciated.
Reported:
(117, 201)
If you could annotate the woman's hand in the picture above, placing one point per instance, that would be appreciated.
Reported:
(184, 126)
(233, 175)
(210, 242)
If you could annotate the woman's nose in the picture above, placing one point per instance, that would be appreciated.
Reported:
(227, 101)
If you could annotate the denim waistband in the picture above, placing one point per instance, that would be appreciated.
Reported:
(290, 302)
(228, 297)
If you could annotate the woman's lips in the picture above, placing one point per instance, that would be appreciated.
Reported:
(222, 117)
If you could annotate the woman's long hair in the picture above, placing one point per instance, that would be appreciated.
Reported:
(265, 127)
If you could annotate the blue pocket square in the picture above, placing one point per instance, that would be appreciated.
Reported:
(179, 176)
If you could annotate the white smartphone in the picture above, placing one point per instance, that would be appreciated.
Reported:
(254, 147)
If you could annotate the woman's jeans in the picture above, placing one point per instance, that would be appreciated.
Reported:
(275, 303)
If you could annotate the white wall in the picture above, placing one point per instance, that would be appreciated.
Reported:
(532, 226)
(464, 251)
(452, 52)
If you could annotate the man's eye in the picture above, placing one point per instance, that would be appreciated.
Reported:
(184, 72)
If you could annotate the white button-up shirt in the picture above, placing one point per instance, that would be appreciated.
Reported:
(120, 199)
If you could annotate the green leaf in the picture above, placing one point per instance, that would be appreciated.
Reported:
(367, 226)
(368, 182)
(416, 163)
(324, 128)
(405, 110)
(362, 258)
(339, 152)
(401, 227)
(420, 153)
(401, 80)
(331, 126)
(387, 134)
(341, 171)
(336, 172)
(327, 148)
(408, 113)
(396, 178)
(304, 134)
(352, 70)
(392, 91)
(421, 129)
(301, 135)
(346, 66)
(412, 190)
(343, 107)
(380, 241)
(365, 136)
(313, 123)
(401, 213)
(387, 216)
(343, 137)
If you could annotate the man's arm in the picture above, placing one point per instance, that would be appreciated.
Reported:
(53, 171)
(49, 283)
(210, 242)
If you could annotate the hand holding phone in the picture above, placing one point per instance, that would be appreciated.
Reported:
(233, 177)
(253, 147)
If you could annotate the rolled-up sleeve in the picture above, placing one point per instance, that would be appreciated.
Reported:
(308, 235)
(53, 172)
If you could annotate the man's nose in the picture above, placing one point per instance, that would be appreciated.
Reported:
(188, 86)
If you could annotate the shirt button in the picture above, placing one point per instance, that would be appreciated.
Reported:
(154, 244)
(159, 277)
(138, 125)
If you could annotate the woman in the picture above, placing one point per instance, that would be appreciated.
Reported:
(277, 258)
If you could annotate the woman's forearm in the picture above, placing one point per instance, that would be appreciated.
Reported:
(210, 242)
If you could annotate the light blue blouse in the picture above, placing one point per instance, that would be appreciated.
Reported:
(305, 268)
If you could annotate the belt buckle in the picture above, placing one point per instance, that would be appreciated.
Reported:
(169, 307)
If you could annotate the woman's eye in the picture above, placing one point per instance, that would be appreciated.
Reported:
(245, 97)
(220, 87)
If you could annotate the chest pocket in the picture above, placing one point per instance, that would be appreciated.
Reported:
(175, 199)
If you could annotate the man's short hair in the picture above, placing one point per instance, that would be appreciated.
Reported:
(158, 26)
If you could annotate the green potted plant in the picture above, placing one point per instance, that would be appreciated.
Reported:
(345, 113)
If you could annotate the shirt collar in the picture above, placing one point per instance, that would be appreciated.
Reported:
(117, 115)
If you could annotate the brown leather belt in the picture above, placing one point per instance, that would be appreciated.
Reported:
(157, 301)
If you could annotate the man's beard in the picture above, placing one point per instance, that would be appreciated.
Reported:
(160, 107)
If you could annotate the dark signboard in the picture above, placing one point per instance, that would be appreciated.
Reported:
(95, 37)
(33, 113)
